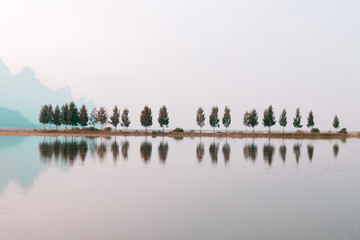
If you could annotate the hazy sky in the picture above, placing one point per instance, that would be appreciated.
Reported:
(186, 54)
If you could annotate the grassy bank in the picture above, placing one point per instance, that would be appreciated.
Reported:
(191, 134)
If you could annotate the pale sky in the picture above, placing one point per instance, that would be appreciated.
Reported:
(186, 54)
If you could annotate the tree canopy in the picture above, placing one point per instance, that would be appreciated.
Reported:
(269, 118)
(214, 118)
(200, 118)
(226, 120)
(297, 119)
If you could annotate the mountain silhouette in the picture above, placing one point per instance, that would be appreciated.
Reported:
(25, 93)
(13, 119)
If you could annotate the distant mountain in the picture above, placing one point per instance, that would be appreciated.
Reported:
(26, 94)
(13, 119)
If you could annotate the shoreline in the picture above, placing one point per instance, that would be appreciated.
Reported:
(187, 134)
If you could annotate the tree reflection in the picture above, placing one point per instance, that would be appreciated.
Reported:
(66, 151)
(145, 151)
(200, 152)
(268, 152)
(213, 150)
(115, 150)
(226, 151)
(250, 151)
(163, 151)
(336, 150)
(297, 152)
(83, 149)
(125, 149)
(310, 151)
(101, 151)
(282, 151)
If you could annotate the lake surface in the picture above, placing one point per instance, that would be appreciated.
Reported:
(166, 188)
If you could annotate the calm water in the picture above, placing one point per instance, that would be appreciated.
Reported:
(165, 188)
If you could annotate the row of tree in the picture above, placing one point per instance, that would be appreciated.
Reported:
(251, 119)
(69, 115)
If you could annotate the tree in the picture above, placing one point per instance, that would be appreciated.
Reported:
(297, 119)
(213, 118)
(43, 116)
(83, 116)
(269, 118)
(310, 120)
(115, 118)
(93, 117)
(246, 120)
(226, 120)
(50, 115)
(336, 123)
(125, 121)
(57, 117)
(73, 115)
(163, 118)
(283, 119)
(253, 119)
(102, 116)
(146, 117)
(200, 118)
(65, 115)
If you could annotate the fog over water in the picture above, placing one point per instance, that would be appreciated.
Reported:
(187, 54)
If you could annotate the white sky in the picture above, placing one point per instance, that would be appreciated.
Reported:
(186, 54)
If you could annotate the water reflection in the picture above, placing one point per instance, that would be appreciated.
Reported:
(282, 151)
(125, 149)
(101, 151)
(297, 152)
(213, 150)
(336, 150)
(83, 149)
(69, 149)
(163, 151)
(200, 151)
(226, 151)
(310, 150)
(145, 151)
(250, 151)
(268, 152)
(115, 150)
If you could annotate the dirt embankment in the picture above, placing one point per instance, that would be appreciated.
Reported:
(191, 134)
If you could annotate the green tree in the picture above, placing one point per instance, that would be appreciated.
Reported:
(125, 120)
(310, 120)
(93, 117)
(50, 115)
(115, 118)
(73, 115)
(283, 119)
(43, 116)
(57, 116)
(253, 119)
(269, 118)
(297, 119)
(102, 116)
(83, 116)
(65, 115)
(214, 118)
(163, 118)
(200, 118)
(226, 120)
(246, 120)
(146, 118)
(336, 123)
